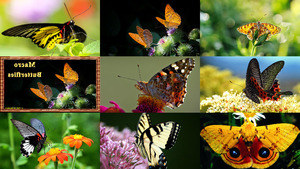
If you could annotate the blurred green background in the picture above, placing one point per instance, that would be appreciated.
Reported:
(185, 153)
(55, 126)
(210, 159)
(123, 91)
(17, 90)
(220, 19)
(17, 12)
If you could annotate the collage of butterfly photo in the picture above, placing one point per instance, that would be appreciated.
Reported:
(249, 84)
(89, 84)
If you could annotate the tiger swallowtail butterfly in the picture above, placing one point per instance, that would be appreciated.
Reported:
(34, 136)
(263, 84)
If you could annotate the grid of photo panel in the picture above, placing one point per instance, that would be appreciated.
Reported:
(249, 84)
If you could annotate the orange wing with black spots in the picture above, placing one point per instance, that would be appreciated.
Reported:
(70, 75)
(172, 19)
(144, 37)
(44, 92)
(263, 28)
(169, 84)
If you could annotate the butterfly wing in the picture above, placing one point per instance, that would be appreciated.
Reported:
(248, 30)
(238, 156)
(48, 34)
(253, 71)
(148, 38)
(70, 75)
(221, 137)
(38, 125)
(277, 137)
(272, 28)
(262, 156)
(169, 84)
(138, 39)
(31, 137)
(40, 92)
(269, 74)
(173, 19)
(150, 139)
(48, 92)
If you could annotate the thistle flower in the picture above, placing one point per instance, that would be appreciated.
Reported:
(54, 154)
(117, 150)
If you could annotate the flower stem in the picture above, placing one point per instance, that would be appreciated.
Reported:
(253, 50)
(11, 137)
(56, 164)
(75, 156)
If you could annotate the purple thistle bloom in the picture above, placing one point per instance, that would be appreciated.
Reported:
(33, 10)
(171, 31)
(117, 150)
(161, 41)
(69, 86)
(51, 104)
(115, 109)
(151, 51)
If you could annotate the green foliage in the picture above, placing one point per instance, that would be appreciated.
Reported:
(220, 19)
(74, 48)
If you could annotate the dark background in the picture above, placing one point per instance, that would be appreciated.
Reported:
(17, 90)
(119, 18)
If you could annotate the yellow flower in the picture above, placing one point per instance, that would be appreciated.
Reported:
(77, 140)
(54, 154)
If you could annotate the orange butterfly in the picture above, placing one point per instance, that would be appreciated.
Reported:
(144, 37)
(248, 145)
(263, 28)
(44, 92)
(70, 76)
(173, 19)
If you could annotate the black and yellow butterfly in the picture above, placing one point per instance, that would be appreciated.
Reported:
(48, 34)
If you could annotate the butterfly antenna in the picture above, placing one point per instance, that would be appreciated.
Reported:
(127, 78)
(82, 12)
(235, 84)
(68, 11)
(139, 72)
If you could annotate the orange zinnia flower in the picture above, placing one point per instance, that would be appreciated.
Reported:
(53, 154)
(77, 140)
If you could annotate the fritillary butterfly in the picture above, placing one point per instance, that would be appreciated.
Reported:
(144, 37)
(70, 76)
(44, 92)
(173, 19)
(263, 28)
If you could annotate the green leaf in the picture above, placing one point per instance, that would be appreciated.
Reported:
(21, 160)
(91, 49)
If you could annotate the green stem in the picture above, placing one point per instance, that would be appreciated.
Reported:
(56, 164)
(253, 50)
(75, 156)
(11, 138)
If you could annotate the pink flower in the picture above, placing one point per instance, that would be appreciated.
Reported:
(117, 150)
(115, 109)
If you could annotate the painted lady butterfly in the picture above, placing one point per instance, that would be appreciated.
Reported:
(169, 84)
(263, 28)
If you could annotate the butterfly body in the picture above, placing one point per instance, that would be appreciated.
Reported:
(70, 75)
(248, 145)
(144, 37)
(169, 84)
(263, 84)
(34, 136)
(44, 92)
(172, 19)
(48, 34)
(263, 28)
(150, 139)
